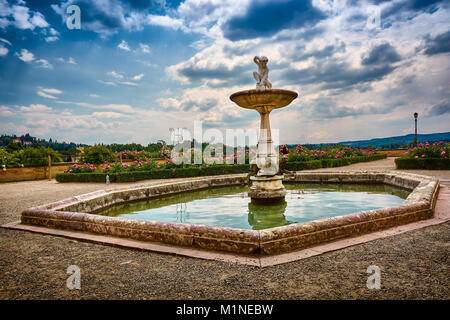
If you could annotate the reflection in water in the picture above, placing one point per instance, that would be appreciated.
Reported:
(231, 206)
(182, 215)
(263, 216)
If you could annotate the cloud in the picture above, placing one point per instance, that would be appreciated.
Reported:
(124, 46)
(51, 39)
(25, 55)
(438, 44)
(266, 18)
(148, 64)
(35, 108)
(20, 16)
(405, 8)
(51, 90)
(164, 21)
(44, 64)
(53, 32)
(5, 41)
(128, 83)
(45, 95)
(108, 115)
(144, 48)
(381, 54)
(109, 83)
(188, 103)
(104, 17)
(138, 77)
(3, 51)
(48, 93)
(69, 61)
(107, 17)
(5, 111)
(439, 109)
(93, 95)
(117, 107)
(115, 74)
(327, 108)
(333, 74)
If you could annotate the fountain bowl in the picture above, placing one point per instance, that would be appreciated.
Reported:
(269, 98)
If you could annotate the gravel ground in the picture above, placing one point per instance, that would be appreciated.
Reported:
(414, 265)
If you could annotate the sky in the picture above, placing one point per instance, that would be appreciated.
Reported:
(135, 68)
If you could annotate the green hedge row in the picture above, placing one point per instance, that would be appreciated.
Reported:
(303, 165)
(423, 163)
(330, 163)
(131, 176)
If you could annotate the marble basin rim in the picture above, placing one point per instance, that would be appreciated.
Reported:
(269, 98)
(75, 214)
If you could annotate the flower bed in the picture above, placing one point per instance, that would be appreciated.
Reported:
(426, 156)
(128, 173)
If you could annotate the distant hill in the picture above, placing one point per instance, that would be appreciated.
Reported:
(30, 141)
(398, 142)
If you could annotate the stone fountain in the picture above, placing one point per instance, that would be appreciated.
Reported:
(266, 185)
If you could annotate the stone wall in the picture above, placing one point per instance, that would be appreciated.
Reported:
(30, 173)
(39, 173)
(76, 214)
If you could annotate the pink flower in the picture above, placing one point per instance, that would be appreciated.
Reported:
(416, 157)
(443, 153)
(423, 156)
(157, 166)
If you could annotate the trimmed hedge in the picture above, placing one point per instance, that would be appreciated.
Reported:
(131, 176)
(423, 163)
(303, 165)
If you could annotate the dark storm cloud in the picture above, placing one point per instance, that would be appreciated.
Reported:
(298, 52)
(265, 18)
(438, 44)
(381, 54)
(237, 75)
(139, 4)
(439, 109)
(334, 75)
(410, 5)
(307, 34)
(326, 108)
(106, 16)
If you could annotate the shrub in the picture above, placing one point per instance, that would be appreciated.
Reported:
(423, 163)
(195, 171)
(303, 165)
(96, 154)
(38, 156)
(435, 150)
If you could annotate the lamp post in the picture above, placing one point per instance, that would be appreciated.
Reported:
(415, 128)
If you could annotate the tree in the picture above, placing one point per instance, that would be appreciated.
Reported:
(96, 154)
(12, 146)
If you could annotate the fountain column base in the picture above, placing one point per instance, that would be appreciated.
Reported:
(267, 188)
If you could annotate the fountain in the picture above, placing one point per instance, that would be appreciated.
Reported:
(267, 185)
(223, 219)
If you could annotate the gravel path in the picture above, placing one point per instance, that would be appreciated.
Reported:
(414, 265)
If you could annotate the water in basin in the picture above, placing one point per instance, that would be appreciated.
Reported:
(231, 207)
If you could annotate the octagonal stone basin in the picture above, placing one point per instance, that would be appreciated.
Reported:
(232, 207)
(76, 214)
(269, 98)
